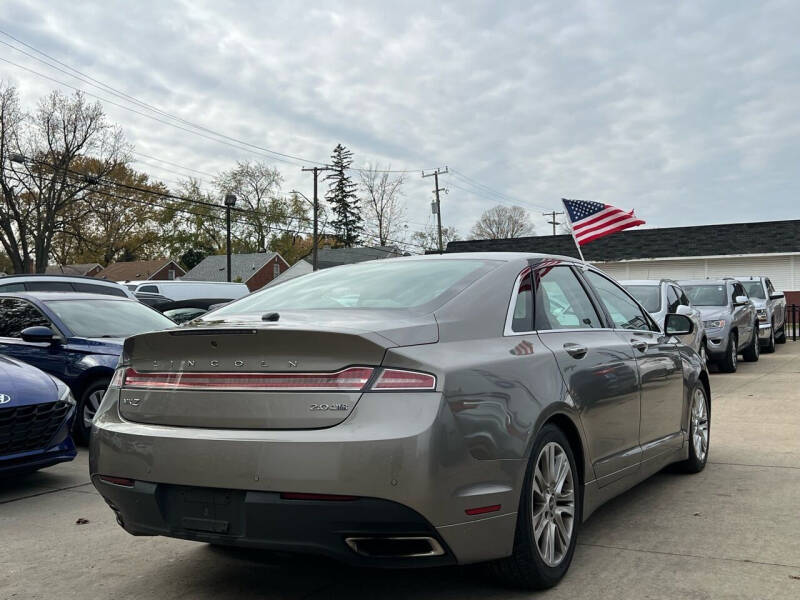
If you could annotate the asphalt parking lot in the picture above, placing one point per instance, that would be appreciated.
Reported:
(732, 531)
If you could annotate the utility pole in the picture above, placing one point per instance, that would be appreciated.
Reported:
(316, 170)
(553, 221)
(230, 200)
(437, 207)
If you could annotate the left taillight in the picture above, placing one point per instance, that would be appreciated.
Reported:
(118, 379)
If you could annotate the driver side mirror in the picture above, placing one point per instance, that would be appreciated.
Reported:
(676, 324)
(776, 296)
(38, 334)
(740, 300)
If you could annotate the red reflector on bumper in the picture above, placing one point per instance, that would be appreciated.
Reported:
(301, 496)
(480, 510)
(123, 481)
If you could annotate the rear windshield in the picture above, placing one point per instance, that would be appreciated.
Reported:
(754, 289)
(648, 296)
(706, 295)
(392, 284)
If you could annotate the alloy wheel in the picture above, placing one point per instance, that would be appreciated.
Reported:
(699, 424)
(90, 407)
(553, 504)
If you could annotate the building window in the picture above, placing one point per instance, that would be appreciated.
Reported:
(171, 274)
(276, 270)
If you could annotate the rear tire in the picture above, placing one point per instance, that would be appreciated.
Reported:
(549, 496)
(753, 350)
(87, 407)
(729, 363)
(699, 431)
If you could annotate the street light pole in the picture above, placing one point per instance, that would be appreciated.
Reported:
(230, 200)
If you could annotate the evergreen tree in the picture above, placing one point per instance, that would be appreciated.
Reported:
(347, 222)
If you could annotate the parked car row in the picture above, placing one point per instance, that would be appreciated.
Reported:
(732, 315)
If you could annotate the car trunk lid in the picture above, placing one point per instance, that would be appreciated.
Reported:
(247, 374)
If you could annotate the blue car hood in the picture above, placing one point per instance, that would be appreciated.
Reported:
(24, 384)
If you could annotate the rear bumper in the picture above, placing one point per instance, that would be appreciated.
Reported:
(403, 457)
(268, 521)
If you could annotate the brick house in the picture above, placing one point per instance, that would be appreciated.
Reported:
(255, 270)
(161, 269)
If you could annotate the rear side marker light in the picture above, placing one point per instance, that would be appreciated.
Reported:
(328, 497)
(482, 510)
(397, 379)
(123, 481)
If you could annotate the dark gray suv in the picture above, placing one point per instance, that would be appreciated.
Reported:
(729, 317)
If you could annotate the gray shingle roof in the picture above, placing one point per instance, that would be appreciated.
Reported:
(768, 237)
(333, 257)
(301, 267)
(243, 267)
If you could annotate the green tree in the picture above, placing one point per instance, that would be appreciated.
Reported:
(347, 222)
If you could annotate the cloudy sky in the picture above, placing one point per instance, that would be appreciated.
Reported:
(687, 112)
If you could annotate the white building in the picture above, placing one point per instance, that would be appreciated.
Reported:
(769, 248)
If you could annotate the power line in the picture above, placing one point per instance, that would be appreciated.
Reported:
(87, 79)
(167, 196)
(480, 187)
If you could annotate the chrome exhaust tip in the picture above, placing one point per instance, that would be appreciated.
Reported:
(395, 547)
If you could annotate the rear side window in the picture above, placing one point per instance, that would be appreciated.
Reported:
(148, 288)
(12, 287)
(522, 317)
(49, 286)
(561, 301)
(91, 288)
(17, 314)
(624, 312)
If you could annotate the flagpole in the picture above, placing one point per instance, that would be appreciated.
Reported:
(572, 231)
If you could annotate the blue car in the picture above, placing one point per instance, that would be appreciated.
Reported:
(75, 337)
(36, 412)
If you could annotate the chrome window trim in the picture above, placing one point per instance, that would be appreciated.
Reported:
(507, 330)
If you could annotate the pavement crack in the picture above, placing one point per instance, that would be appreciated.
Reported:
(64, 489)
(687, 555)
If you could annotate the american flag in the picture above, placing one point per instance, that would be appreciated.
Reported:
(593, 220)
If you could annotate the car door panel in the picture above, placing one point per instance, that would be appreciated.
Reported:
(658, 362)
(598, 368)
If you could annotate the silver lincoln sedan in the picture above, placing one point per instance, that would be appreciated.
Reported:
(407, 412)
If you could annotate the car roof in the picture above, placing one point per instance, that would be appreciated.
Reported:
(23, 276)
(63, 296)
(750, 278)
(646, 281)
(498, 256)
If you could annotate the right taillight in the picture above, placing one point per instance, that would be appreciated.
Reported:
(399, 379)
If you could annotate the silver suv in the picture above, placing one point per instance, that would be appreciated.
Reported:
(729, 317)
(661, 297)
(770, 308)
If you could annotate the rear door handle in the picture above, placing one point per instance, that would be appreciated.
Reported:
(575, 350)
(639, 345)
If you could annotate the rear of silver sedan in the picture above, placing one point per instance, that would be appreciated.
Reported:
(328, 439)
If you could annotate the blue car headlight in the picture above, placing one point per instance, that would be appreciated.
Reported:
(64, 393)
(715, 324)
